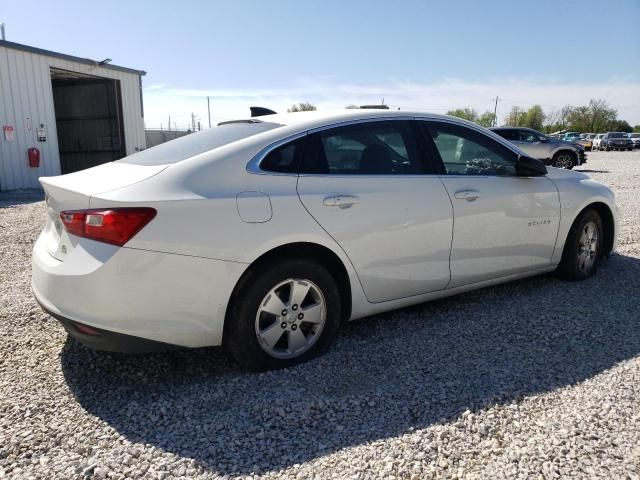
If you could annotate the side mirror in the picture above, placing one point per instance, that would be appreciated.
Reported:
(530, 167)
(544, 140)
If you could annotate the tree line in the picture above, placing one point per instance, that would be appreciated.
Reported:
(597, 116)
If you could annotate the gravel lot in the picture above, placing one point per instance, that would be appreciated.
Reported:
(537, 379)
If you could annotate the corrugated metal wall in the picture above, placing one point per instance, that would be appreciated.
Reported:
(26, 95)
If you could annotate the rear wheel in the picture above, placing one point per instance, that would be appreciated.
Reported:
(583, 248)
(564, 159)
(284, 314)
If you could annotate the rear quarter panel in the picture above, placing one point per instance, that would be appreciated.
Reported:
(198, 214)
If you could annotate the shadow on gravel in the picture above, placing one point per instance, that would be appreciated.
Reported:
(592, 171)
(385, 376)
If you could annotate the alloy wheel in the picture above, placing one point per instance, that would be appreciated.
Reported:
(564, 161)
(588, 247)
(290, 318)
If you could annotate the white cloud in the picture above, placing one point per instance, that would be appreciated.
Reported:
(327, 93)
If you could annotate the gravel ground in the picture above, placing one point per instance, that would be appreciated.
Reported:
(536, 379)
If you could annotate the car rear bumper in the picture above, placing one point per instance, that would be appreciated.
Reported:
(99, 339)
(172, 299)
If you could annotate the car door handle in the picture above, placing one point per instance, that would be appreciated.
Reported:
(341, 201)
(468, 195)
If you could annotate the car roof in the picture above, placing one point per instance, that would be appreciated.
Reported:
(313, 119)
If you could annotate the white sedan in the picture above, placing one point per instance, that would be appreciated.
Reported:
(263, 235)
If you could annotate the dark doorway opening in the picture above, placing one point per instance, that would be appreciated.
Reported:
(88, 120)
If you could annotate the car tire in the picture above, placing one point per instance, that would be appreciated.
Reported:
(583, 247)
(564, 159)
(259, 339)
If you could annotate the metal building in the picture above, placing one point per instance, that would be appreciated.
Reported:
(76, 112)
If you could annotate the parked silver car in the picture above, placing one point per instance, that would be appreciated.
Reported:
(557, 153)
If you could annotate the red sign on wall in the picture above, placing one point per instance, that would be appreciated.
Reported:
(8, 133)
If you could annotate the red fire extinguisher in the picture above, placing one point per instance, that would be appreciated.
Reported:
(34, 157)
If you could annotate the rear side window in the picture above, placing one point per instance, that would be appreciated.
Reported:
(284, 159)
(464, 151)
(194, 144)
(371, 148)
(508, 134)
(528, 136)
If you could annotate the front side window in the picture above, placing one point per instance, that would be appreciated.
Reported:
(464, 151)
(372, 148)
(509, 134)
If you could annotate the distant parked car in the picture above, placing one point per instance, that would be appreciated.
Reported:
(586, 141)
(616, 141)
(571, 136)
(596, 141)
(635, 139)
(553, 152)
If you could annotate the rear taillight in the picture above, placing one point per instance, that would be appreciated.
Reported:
(116, 226)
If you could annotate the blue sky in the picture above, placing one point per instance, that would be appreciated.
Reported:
(420, 54)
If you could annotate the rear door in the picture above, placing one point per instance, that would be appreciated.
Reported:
(367, 185)
(503, 224)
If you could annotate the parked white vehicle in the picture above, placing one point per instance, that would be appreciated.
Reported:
(263, 235)
(597, 140)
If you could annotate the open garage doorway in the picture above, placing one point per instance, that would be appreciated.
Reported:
(88, 119)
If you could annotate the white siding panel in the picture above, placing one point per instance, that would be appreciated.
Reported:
(26, 92)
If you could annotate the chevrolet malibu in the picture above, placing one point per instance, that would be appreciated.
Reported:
(263, 235)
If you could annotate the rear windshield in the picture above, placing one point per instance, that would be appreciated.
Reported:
(617, 135)
(196, 143)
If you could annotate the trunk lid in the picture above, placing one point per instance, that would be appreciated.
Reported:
(74, 191)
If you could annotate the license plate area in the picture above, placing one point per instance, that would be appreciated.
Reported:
(57, 241)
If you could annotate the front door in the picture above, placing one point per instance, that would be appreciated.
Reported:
(365, 184)
(503, 224)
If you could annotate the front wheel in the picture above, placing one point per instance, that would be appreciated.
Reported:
(564, 160)
(284, 314)
(583, 248)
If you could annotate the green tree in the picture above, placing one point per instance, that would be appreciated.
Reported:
(595, 117)
(465, 113)
(620, 126)
(534, 118)
(636, 129)
(600, 115)
(516, 117)
(302, 107)
(557, 120)
(580, 119)
(487, 119)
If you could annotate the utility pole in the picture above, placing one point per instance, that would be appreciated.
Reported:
(209, 111)
(495, 112)
(193, 122)
(169, 123)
